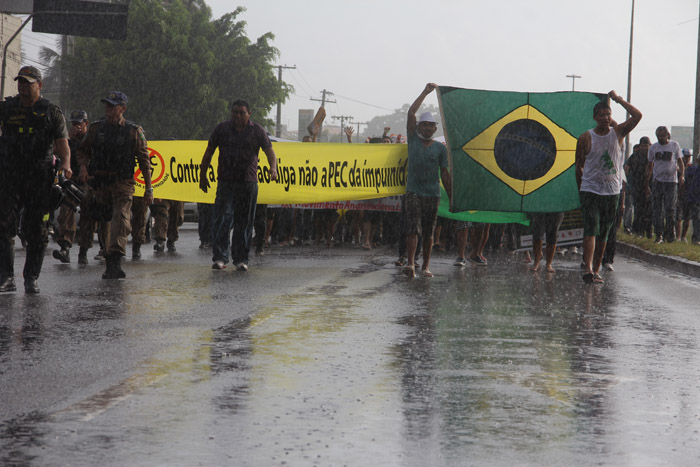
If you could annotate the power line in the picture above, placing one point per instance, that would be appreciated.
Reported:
(365, 103)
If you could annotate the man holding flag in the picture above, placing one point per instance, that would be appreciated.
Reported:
(599, 160)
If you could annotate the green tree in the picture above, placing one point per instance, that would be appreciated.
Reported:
(180, 69)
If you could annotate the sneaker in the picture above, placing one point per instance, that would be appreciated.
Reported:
(608, 267)
(483, 259)
(218, 265)
(478, 260)
(82, 257)
(242, 267)
(259, 250)
(62, 255)
(100, 256)
(659, 239)
(460, 262)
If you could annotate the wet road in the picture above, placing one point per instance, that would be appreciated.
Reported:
(331, 358)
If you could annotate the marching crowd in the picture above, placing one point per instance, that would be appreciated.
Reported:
(662, 186)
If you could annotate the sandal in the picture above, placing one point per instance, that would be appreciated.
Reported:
(588, 278)
(401, 261)
(426, 273)
(410, 271)
(597, 279)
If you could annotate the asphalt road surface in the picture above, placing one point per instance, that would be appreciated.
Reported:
(331, 357)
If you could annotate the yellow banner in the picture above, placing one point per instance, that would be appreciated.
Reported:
(307, 172)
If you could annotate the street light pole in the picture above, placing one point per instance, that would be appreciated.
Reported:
(573, 80)
(696, 126)
(629, 81)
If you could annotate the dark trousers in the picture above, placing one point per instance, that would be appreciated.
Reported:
(641, 225)
(664, 196)
(32, 197)
(234, 208)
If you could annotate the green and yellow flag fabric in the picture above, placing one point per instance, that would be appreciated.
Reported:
(514, 151)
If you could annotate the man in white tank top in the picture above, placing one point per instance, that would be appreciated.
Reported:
(599, 160)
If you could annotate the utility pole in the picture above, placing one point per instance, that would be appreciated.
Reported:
(573, 80)
(323, 101)
(357, 135)
(342, 119)
(629, 81)
(278, 126)
(696, 127)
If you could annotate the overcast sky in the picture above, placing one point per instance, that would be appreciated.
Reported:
(377, 55)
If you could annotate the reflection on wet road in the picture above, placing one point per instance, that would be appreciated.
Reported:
(331, 357)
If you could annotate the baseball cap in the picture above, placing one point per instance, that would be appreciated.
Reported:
(426, 117)
(686, 151)
(115, 98)
(78, 116)
(645, 140)
(29, 73)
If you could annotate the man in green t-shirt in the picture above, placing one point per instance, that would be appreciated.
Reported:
(427, 164)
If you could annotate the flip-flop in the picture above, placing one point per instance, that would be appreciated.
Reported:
(410, 271)
(588, 278)
(597, 279)
(427, 273)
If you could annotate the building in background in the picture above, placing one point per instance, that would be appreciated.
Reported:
(8, 26)
(682, 134)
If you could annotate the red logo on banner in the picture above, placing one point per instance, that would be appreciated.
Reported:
(157, 168)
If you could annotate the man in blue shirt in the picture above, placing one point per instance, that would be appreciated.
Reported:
(427, 164)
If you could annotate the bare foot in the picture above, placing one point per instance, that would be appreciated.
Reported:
(550, 268)
(528, 259)
(535, 267)
(426, 273)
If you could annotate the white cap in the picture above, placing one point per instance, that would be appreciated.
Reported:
(426, 117)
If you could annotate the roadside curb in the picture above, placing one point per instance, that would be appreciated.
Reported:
(674, 263)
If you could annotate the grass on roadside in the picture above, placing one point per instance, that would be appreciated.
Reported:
(688, 250)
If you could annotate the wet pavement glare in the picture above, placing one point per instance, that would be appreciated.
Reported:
(332, 357)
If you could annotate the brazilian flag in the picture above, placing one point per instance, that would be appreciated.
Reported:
(514, 151)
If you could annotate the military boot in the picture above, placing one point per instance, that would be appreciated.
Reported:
(114, 269)
(171, 246)
(136, 251)
(159, 246)
(82, 256)
(63, 255)
(7, 284)
(7, 259)
(32, 267)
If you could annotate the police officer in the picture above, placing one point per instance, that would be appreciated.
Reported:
(66, 216)
(107, 157)
(32, 130)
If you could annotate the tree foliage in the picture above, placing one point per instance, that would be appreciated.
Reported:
(179, 68)
(397, 121)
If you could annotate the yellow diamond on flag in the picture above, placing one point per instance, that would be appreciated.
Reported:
(524, 149)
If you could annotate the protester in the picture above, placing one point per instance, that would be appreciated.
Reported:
(427, 164)
(667, 168)
(168, 216)
(599, 161)
(107, 156)
(545, 225)
(638, 189)
(239, 141)
(32, 130)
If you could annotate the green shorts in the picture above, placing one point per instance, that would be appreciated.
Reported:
(598, 212)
